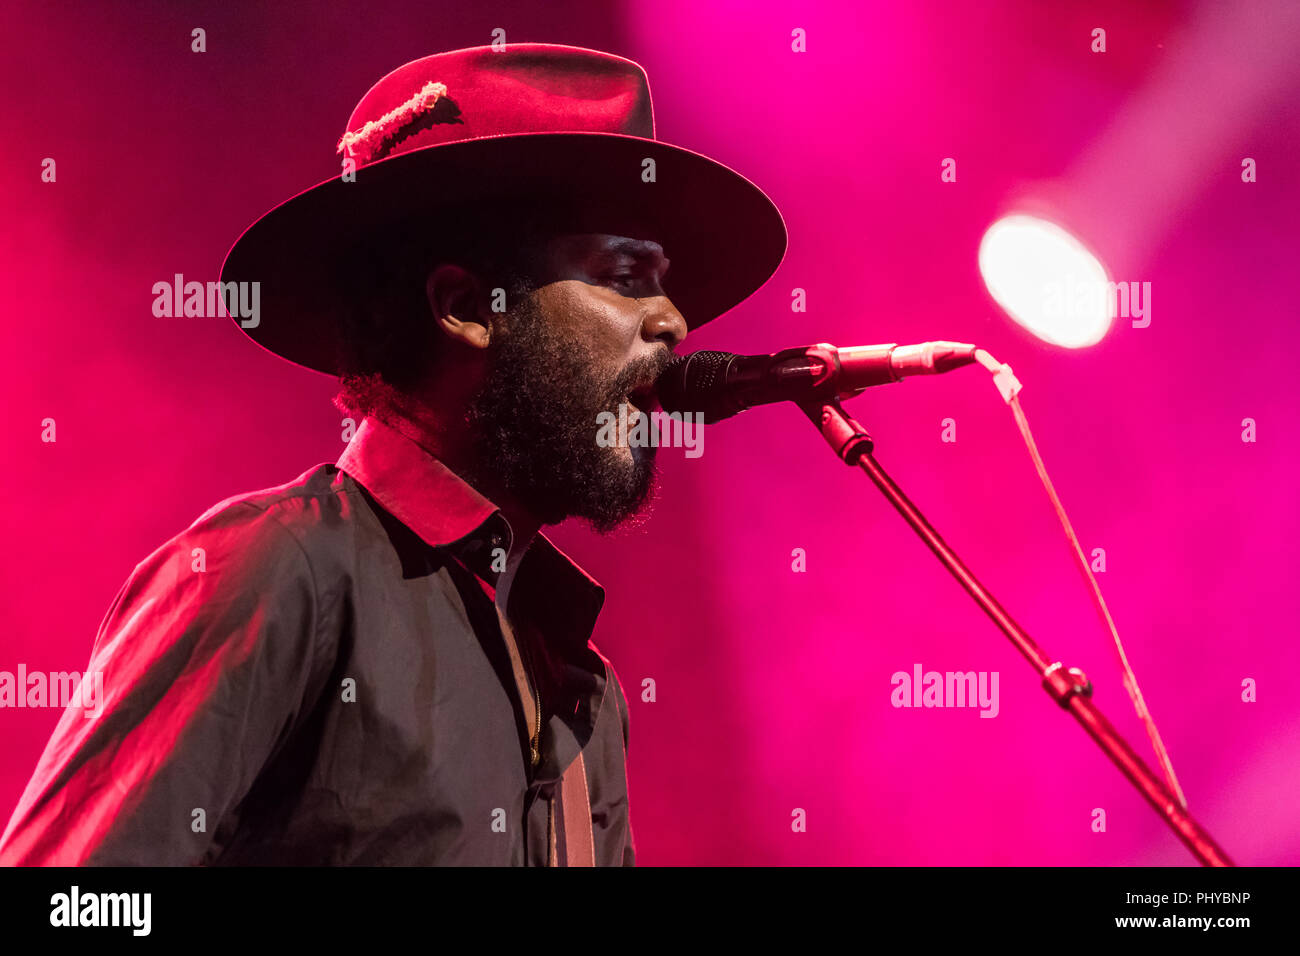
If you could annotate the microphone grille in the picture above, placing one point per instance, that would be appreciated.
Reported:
(693, 383)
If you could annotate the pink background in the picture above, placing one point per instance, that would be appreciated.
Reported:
(773, 687)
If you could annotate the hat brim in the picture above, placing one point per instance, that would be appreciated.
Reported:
(724, 236)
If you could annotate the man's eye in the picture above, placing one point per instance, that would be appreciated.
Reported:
(621, 277)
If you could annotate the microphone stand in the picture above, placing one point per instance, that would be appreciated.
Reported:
(1069, 687)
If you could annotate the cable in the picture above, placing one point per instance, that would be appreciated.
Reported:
(1010, 387)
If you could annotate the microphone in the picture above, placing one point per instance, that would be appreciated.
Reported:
(722, 384)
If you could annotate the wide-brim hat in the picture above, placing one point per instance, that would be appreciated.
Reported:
(526, 123)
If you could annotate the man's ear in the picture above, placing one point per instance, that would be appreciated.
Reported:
(454, 296)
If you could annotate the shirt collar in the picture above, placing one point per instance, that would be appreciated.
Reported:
(446, 512)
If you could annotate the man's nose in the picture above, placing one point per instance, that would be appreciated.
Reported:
(664, 323)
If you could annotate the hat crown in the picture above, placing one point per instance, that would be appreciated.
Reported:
(487, 91)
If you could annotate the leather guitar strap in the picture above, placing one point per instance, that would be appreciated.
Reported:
(575, 805)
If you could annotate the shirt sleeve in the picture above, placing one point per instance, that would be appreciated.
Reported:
(205, 658)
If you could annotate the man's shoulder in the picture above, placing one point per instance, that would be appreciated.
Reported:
(319, 498)
(297, 534)
(311, 517)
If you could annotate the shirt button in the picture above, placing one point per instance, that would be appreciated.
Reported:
(498, 541)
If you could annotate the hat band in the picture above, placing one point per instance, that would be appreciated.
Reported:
(371, 137)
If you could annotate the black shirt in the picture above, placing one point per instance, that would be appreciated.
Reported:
(316, 674)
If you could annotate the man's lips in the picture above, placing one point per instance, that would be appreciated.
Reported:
(643, 397)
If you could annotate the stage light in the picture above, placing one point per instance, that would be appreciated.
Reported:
(1047, 281)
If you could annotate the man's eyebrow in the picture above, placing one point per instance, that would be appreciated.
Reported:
(636, 248)
(639, 248)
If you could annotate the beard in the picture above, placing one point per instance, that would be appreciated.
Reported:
(533, 423)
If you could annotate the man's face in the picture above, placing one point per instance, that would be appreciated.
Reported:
(594, 334)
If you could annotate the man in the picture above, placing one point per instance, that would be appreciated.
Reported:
(384, 661)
